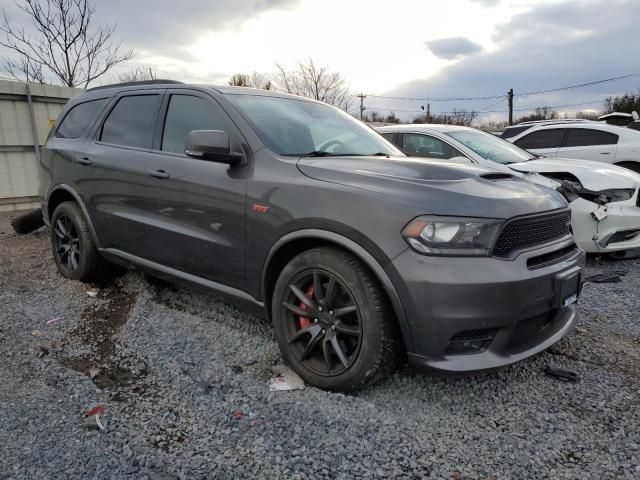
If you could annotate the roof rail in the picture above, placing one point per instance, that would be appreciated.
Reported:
(131, 84)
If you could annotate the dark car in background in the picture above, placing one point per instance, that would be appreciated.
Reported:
(360, 256)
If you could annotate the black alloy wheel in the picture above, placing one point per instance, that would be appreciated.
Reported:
(66, 244)
(323, 322)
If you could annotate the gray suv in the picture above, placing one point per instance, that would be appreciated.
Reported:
(291, 208)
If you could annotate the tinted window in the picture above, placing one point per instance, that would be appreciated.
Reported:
(388, 136)
(186, 113)
(417, 145)
(79, 118)
(582, 137)
(510, 132)
(131, 121)
(541, 139)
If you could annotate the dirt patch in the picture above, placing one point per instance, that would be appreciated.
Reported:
(98, 330)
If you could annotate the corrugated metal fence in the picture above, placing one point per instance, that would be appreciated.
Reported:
(27, 113)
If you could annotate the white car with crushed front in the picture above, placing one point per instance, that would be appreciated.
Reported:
(603, 198)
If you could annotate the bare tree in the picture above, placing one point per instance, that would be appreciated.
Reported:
(253, 80)
(309, 80)
(63, 45)
(456, 117)
(137, 74)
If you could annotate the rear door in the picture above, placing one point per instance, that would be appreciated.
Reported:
(116, 161)
(543, 142)
(589, 144)
(196, 207)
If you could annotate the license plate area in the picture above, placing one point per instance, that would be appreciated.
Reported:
(567, 287)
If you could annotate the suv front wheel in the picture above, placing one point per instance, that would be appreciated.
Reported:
(72, 245)
(332, 321)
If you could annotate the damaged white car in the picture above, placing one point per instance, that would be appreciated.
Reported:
(603, 198)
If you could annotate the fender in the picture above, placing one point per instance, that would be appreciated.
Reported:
(80, 202)
(368, 259)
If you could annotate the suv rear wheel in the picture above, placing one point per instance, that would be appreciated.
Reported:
(72, 245)
(332, 321)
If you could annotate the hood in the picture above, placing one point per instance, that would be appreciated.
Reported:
(592, 175)
(436, 186)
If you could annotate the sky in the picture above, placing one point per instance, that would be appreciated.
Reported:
(403, 48)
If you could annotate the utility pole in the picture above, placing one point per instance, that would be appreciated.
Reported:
(510, 96)
(428, 113)
(362, 96)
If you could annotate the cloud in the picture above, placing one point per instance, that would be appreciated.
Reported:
(452, 48)
(549, 46)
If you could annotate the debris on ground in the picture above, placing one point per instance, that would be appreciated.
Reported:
(94, 372)
(92, 418)
(612, 277)
(286, 380)
(92, 293)
(54, 320)
(28, 222)
(237, 414)
(562, 374)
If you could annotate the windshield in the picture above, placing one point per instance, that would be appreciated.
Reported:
(298, 127)
(491, 147)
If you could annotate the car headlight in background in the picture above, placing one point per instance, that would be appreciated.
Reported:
(460, 236)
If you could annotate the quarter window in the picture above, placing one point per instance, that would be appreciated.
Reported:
(187, 113)
(551, 138)
(132, 121)
(582, 137)
(79, 118)
(416, 145)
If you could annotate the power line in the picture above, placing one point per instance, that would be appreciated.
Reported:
(569, 87)
(536, 92)
(488, 111)
(429, 99)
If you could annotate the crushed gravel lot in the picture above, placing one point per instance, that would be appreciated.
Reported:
(184, 383)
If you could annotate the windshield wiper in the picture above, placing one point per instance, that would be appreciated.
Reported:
(317, 153)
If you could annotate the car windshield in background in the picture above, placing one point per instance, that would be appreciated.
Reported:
(297, 128)
(491, 147)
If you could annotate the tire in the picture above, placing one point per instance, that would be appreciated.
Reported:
(72, 245)
(28, 222)
(312, 330)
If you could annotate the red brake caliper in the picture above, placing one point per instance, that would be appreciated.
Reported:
(304, 321)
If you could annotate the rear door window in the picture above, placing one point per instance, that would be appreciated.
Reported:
(79, 118)
(131, 122)
(511, 132)
(187, 113)
(583, 137)
(551, 138)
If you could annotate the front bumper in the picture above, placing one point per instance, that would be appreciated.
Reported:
(612, 234)
(478, 313)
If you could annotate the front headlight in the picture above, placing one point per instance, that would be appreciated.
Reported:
(617, 194)
(459, 236)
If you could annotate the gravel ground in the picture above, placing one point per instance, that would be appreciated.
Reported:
(184, 382)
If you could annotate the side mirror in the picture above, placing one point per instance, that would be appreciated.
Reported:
(212, 145)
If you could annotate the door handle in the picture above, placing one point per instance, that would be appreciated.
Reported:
(158, 173)
(605, 153)
(82, 160)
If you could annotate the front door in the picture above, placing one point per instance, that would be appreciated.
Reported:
(197, 215)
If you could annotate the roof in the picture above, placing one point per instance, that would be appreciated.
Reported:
(423, 126)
